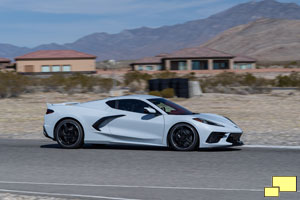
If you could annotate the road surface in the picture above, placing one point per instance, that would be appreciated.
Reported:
(40, 167)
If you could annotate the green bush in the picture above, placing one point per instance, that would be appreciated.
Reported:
(168, 93)
(155, 93)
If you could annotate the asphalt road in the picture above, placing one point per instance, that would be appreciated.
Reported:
(39, 167)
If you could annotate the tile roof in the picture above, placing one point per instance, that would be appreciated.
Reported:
(196, 52)
(242, 58)
(149, 60)
(4, 60)
(54, 54)
(199, 52)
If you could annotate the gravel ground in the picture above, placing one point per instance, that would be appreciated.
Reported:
(272, 119)
(7, 196)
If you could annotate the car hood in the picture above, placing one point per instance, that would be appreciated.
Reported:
(216, 119)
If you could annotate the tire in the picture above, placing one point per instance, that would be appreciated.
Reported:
(183, 137)
(69, 134)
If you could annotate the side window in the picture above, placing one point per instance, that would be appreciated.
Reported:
(126, 105)
(112, 103)
(139, 106)
(132, 105)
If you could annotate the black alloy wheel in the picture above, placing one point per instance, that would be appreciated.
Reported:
(183, 137)
(69, 134)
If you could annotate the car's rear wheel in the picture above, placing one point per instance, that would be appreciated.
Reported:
(183, 137)
(69, 134)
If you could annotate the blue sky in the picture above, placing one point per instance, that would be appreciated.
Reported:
(33, 22)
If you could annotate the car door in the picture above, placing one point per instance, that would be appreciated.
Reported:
(133, 125)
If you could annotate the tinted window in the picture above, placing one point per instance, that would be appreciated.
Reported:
(111, 104)
(131, 105)
(169, 107)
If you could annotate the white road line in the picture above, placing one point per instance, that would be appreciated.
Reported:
(61, 194)
(132, 186)
(271, 146)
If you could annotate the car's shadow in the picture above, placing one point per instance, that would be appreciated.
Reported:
(135, 147)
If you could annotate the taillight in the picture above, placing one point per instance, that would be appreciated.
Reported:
(49, 111)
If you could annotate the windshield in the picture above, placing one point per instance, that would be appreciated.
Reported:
(169, 107)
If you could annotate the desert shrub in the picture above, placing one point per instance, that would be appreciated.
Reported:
(191, 76)
(53, 82)
(292, 80)
(155, 93)
(291, 64)
(168, 93)
(12, 84)
(76, 83)
(226, 80)
(106, 84)
(136, 76)
(166, 74)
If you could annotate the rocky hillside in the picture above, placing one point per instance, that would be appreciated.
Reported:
(265, 39)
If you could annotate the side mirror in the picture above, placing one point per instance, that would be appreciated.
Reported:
(149, 110)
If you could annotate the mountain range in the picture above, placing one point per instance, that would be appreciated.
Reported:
(267, 40)
(144, 41)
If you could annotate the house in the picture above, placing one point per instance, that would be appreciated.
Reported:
(244, 62)
(4, 63)
(54, 61)
(198, 58)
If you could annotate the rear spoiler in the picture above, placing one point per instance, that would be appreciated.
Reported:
(62, 104)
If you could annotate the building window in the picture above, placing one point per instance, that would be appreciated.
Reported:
(182, 65)
(221, 64)
(149, 68)
(199, 65)
(243, 66)
(178, 65)
(159, 67)
(140, 68)
(55, 68)
(45, 68)
(66, 68)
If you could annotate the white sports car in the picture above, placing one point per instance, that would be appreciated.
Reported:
(138, 120)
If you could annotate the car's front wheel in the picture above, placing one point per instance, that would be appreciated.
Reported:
(183, 137)
(69, 134)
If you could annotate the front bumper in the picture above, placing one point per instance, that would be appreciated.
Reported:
(235, 139)
(223, 139)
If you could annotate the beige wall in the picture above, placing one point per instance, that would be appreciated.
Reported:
(168, 64)
(77, 65)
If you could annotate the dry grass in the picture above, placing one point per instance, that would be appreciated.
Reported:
(265, 118)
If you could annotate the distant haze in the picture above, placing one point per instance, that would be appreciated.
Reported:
(137, 43)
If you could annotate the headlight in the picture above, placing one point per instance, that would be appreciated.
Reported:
(207, 122)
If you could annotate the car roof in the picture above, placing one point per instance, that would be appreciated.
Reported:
(135, 96)
(101, 101)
